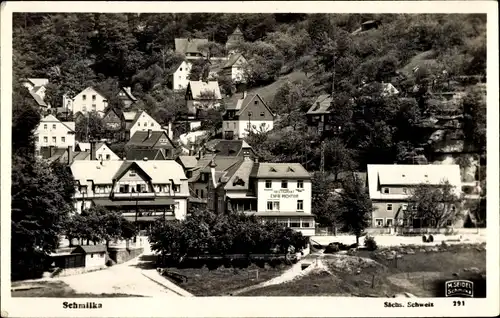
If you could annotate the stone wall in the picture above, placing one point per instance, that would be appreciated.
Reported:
(77, 270)
(121, 254)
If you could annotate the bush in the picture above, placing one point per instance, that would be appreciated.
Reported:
(110, 263)
(332, 248)
(370, 243)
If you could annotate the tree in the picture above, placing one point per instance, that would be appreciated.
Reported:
(434, 205)
(355, 207)
(25, 119)
(91, 127)
(323, 202)
(64, 175)
(474, 108)
(39, 211)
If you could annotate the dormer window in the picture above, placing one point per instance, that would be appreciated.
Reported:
(290, 169)
(238, 181)
(272, 169)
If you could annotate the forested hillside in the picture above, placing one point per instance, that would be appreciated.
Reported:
(328, 52)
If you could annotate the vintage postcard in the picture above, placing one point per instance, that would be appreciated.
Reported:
(249, 159)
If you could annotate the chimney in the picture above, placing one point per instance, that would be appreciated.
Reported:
(92, 150)
(170, 131)
(149, 133)
(212, 172)
(70, 155)
(51, 151)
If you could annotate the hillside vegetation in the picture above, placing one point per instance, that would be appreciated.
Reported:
(292, 59)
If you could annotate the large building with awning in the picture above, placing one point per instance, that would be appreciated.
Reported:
(142, 190)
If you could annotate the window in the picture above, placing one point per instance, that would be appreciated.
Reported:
(388, 222)
(196, 192)
(414, 207)
(269, 184)
(294, 222)
(300, 205)
(138, 188)
(386, 190)
(284, 184)
(138, 124)
(448, 223)
(405, 190)
(256, 102)
(306, 224)
(84, 107)
(405, 206)
(180, 69)
(262, 114)
(202, 194)
(379, 222)
(63, 139)
(94, 107)
(227, 125)
(93, 97)
(91, 255)
(54, 139)
(53, 126)
(453, 208)
(300, 184)
(151, 125)
(132, 173)
(44, 126)
(177, 188)
(389, 206)
(45, 139)
(276, 206)
(269, 205)
(108, 157)
(84, 97)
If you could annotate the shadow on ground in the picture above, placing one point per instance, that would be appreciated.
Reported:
(146, 262)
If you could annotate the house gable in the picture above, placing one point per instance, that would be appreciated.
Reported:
(256, 109)
(131, 171)
(112, 120)
(164, 141)
(89, 90)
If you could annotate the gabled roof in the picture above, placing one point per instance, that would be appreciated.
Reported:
(226, 148)
(128, 92)
(200, 165)
(183, 45)
(223, 163)
(240, 178)
(401, 175)
(321, 105)
(130, 116)
(140, 154)
(242, 104)
(52, 119)
(175, 67)
(38, 99)
(37, 81)
(237, 31)
(280, 171)
(161, 171)
(95, 90)
(126, 166)
(141, 139)
(199, 87)
(188, 162)
(233, 58)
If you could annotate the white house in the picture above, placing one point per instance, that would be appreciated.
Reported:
(101, 151)
(31, 83)
(235, 67)
(179, 75)
(142, 190)
(53, 132)
(89, 100)
(203, 95)
(249, 113)
(390, 187)
(36, 87)
(279, 192)
(141, 121)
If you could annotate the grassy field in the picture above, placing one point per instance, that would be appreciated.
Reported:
(421, 274)
(223, 281)
(56, 289)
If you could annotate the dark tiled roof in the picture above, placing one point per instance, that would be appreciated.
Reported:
(188, 161)
(184, 46)
(225, 147)
(140, 139)
(89, 249)
(140, 154)
(280, 170)
(232, 59)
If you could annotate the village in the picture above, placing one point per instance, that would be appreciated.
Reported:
(157, 175)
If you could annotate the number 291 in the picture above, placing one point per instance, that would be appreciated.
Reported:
(457, 303)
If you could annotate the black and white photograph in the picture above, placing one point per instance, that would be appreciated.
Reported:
(249, 154)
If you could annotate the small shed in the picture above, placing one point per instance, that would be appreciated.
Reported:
(94, 255)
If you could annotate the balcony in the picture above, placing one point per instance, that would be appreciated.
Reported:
(133, 195)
